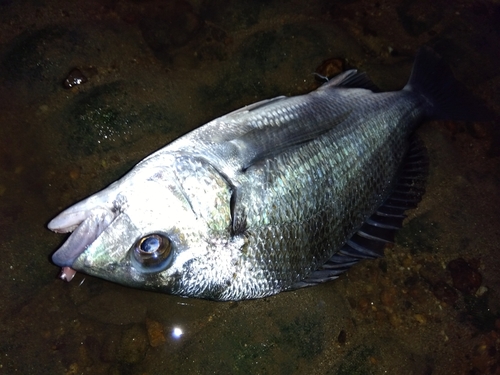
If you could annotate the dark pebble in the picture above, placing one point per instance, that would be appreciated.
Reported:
(342, 338)
(330, 68)
(74, 78)
(466, 277)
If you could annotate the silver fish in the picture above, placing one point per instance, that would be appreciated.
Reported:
(281, 194)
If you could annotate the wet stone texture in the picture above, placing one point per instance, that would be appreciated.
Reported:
(88, 89)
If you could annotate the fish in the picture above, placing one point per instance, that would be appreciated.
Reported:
(279, 195)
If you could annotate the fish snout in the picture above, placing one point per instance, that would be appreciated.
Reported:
(86, 227)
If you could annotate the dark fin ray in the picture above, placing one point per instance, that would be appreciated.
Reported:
(350, 79)
(360, 253)
(383, 221)
(363, 247)
(376, 233)
(445, 97)
(380, 228)
(331, 270)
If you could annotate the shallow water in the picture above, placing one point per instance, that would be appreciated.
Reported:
(154, 71)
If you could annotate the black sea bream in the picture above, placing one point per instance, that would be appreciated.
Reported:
(278, 195)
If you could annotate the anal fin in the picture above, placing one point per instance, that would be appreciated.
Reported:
(380, 228)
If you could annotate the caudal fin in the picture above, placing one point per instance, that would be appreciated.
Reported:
(446, 98)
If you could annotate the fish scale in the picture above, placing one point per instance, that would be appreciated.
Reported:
(279, 195)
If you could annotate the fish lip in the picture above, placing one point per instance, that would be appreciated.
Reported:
(84, 234)
(68, 221)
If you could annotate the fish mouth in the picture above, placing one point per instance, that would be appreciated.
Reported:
(86, 226)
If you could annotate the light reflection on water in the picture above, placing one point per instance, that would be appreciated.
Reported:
(177, 332)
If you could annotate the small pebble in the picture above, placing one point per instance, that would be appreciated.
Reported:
(156, 334)
(482, 289)
(330, 68)
(420, 318)
(74, 78)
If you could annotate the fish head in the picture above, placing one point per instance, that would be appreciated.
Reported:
(142, 231)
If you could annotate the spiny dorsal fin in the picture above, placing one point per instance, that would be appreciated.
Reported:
(257, 105)
(350, 79)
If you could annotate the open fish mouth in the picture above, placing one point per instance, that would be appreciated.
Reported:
(86, 226)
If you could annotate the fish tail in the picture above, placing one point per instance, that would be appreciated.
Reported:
(445, 97)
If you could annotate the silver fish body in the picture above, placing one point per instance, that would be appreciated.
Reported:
(255, 202)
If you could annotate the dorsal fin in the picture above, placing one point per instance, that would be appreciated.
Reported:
(257, 105)
(350, 79)
(369, 241)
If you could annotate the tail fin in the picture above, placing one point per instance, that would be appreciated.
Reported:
(447, 98)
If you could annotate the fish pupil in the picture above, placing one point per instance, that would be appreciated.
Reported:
(150, 244)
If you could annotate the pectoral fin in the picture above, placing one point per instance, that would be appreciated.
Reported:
(270, 141)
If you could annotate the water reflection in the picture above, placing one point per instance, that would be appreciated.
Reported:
(177, 332)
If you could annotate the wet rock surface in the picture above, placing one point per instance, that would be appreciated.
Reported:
(155, 70)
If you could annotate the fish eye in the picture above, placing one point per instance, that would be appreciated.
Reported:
(152, 252)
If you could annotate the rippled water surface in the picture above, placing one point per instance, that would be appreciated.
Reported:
(87, 89)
